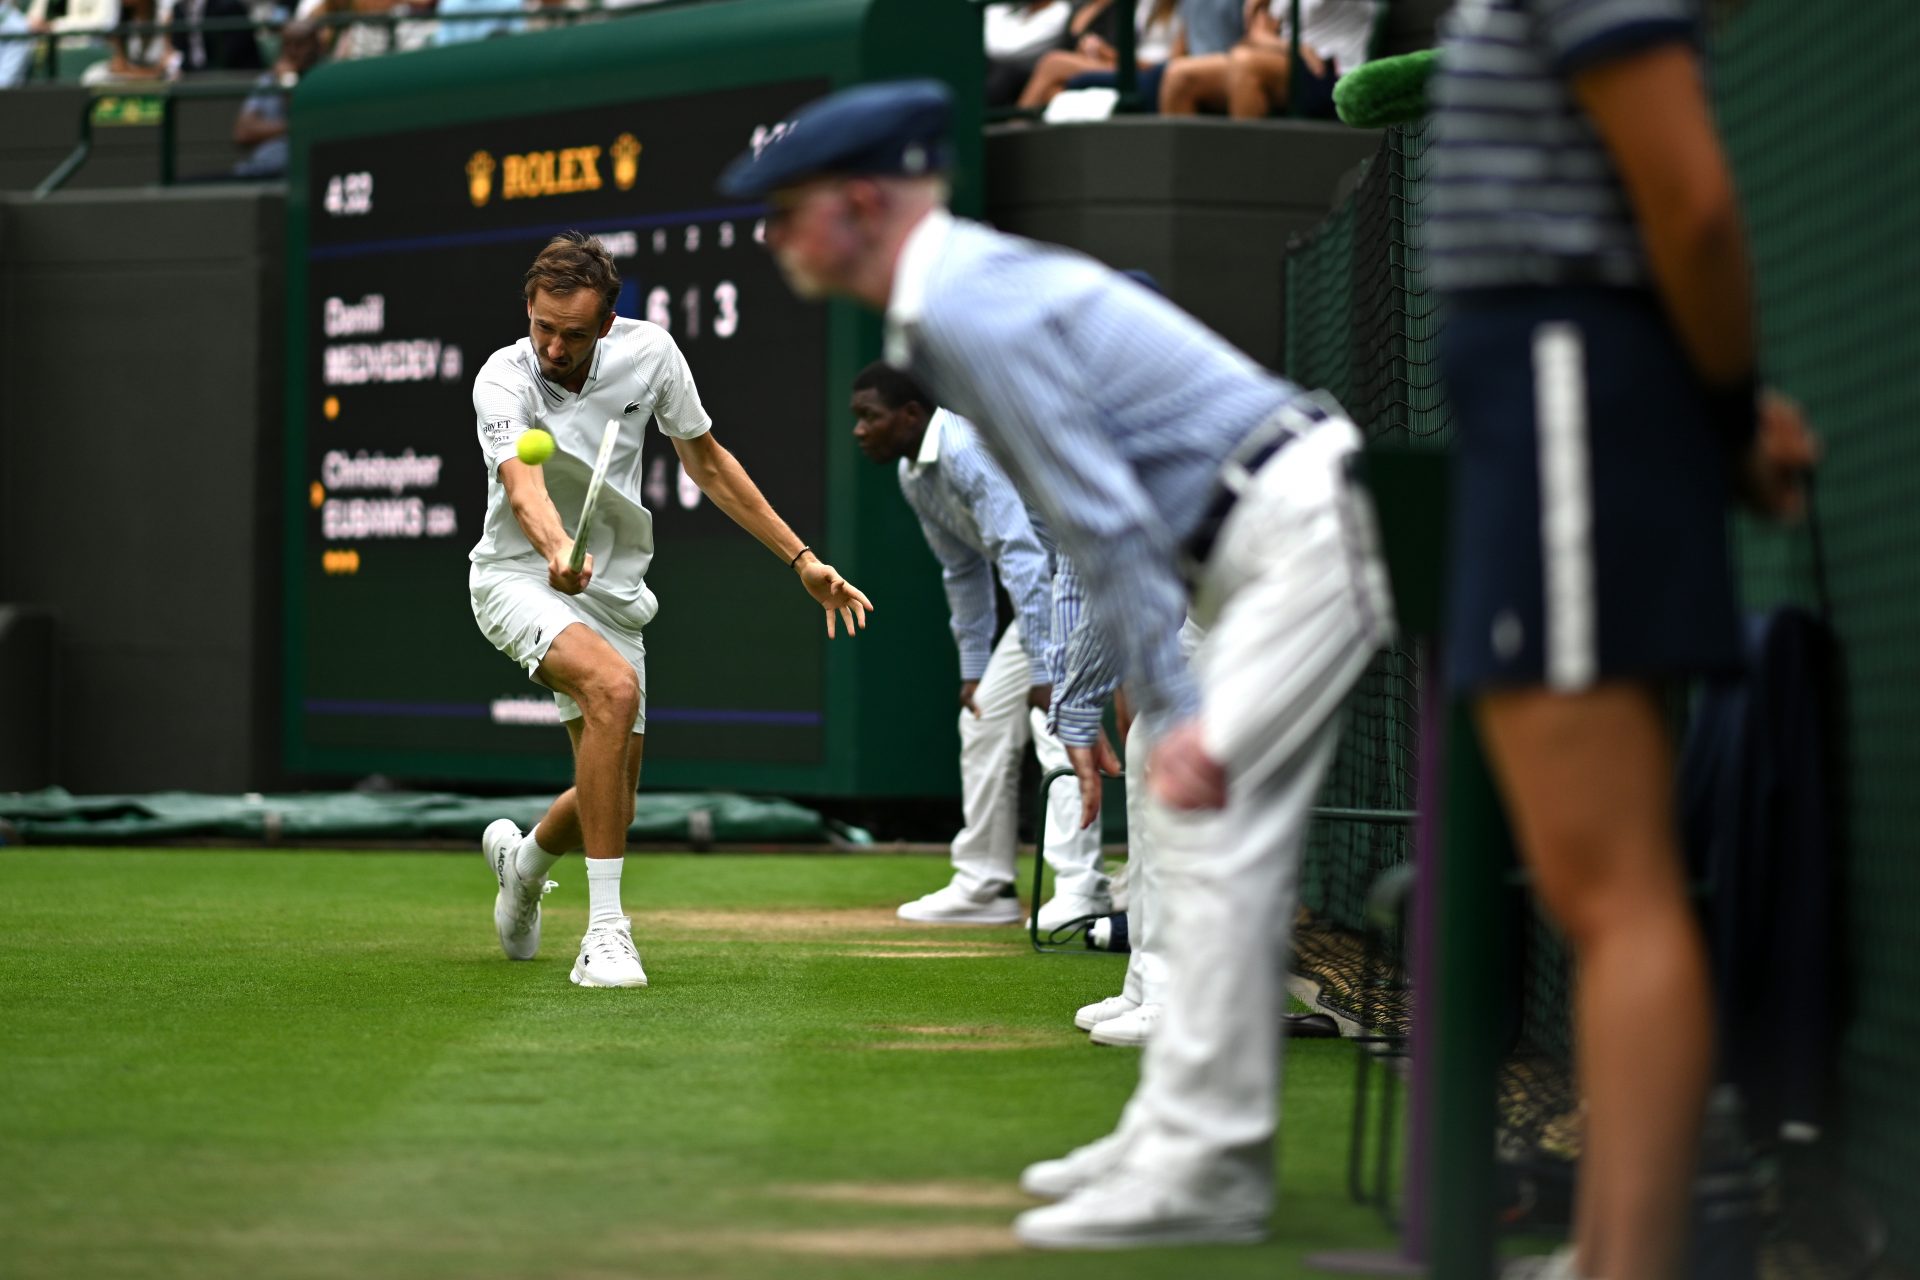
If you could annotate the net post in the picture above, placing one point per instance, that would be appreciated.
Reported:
(1461, 1012)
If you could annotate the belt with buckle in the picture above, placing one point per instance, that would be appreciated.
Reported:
(1253, 453)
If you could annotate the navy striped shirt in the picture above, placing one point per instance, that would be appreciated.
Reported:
(1111, 409)
(1524, 192)
(975, 523)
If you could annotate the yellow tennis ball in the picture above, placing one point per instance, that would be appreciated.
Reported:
(535, 447)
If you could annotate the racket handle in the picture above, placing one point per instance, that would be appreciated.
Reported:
(577, 558)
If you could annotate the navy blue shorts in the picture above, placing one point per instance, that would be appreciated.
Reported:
(1590, 525)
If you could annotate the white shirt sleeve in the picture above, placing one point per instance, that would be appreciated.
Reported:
(502, 415)
(676, 401)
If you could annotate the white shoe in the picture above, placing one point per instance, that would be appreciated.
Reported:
(608, 959)
(516, 907)
(1080, 1167)
(1092, 1015)
(1131, 1029)
(1128, 1210)
(954, 905)
(1066, 908)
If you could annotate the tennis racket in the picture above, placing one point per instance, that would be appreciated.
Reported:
(578, 557)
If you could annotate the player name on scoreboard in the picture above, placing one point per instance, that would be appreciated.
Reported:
(371, 494)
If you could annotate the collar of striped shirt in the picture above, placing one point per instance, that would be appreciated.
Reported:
(930, 442)
(918, 254)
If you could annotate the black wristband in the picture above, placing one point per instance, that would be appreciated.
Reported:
(796, 556)
(1734, 414)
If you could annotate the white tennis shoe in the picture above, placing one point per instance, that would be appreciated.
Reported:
(1080, 1167)
(1065, 908)
(1128, 1209)
(608, 958)
(954, 905)
(516, 907)
(1129, 1029)
(1092, 1015)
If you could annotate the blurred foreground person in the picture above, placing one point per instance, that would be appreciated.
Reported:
(1154, 451)
(1599, 356)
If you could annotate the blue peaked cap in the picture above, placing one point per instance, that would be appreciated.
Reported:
(897, 128)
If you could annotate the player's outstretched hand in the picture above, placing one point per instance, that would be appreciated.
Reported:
(1089, 762)
(836, 595)
(1784, 453)
(1182, 774)
(565, 580)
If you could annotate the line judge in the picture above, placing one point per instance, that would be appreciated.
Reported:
(1149, 445)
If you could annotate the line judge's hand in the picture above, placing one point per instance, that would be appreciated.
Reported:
(836, 595)
(565, 580)
(1089, 762)
(967, 689)
(1182, 775)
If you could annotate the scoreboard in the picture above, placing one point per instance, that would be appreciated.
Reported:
(407, 249)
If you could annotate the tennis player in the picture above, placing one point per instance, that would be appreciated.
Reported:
(1599, 356)
(579, 633)
(1150, 447)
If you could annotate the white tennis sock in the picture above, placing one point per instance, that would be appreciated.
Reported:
(531, 861)
(603, 892)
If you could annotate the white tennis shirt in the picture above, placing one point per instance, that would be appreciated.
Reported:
(637, 375)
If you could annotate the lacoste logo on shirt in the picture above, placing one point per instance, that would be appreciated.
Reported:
(632, 408)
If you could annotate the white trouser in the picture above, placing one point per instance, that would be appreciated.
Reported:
(1296, 602)
(991, 747)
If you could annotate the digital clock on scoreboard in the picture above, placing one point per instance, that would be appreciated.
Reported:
(408, 250)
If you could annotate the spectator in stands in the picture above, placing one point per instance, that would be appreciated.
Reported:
(133, 56)
(215, 50)
(1205, 26)
(16, 56)
(547, 14)
(262, 124)
(1092, 31)
(1252, 80)
(1017, 35)
(359, 40)
(464, 30)
(79, 15)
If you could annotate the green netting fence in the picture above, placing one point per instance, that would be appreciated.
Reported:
(1817, 105)
(1818, 108)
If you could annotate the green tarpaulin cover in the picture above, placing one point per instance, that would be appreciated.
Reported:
(55, 817)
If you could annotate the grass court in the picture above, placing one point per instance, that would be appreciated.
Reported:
(280, 1066)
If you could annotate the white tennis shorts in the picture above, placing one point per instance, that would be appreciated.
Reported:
(521, 614)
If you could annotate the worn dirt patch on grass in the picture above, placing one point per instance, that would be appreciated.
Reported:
(785, 924)
(918, 953)
(961, 1039)
(913, 1195)
(896, 1240)
(945, 944)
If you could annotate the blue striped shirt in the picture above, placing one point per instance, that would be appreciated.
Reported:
(1111, 409)
(975, 523)
(1524, 191)
(1082, 685)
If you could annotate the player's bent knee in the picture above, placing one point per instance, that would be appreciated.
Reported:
(611, 696)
